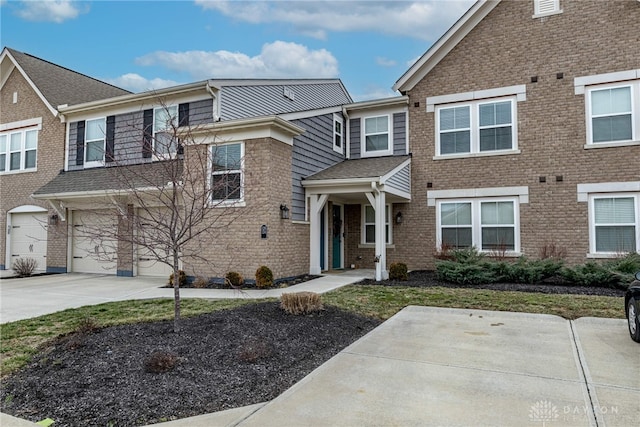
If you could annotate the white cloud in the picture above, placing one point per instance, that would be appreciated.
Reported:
(422, 19)
(385, 62)
(276, 60)
(137, 83)
(48, 10)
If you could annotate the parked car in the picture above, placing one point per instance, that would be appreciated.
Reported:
(632, 308)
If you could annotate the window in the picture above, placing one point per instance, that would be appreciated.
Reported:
(369, 224)
(611, 115)
(165, 120)
(18, 150)
(488, 224)
(376, 136)
(476, 127)
(338, 132)
(94, 142)
(614, 224)
(226, 174)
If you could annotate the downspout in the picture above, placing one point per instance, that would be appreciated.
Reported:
(216, 103)
(347, 136)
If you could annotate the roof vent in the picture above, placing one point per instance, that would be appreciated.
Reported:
(289, 93)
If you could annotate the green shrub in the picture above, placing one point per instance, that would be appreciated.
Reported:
(468, 255)
(182, 278)
(264, 277)
(398, 271)
(234, 279)
(627, 264)
(464, 273)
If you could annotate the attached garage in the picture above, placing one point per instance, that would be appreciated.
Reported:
(28, 237)
(147, 260)
(94, 250)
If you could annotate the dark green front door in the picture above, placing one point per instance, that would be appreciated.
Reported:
(337, 237)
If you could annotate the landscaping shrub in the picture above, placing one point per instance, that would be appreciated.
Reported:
(301, 302)
(254, 349)
(234, 279)
(264, 277)
(182, 278)
(200, 282)
(462, 273)
(161, 361)
(24, 267)
(398, 271)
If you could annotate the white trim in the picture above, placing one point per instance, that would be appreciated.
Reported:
(579, 83)
(337, 118)
(363, 224)
(27, 208)
(467, 193)
(22, 124)
(593, 253)
(606, 187)
(9, 223)
(310, 113)
(244, 129)
(240, 202)
(634, 91)
(520, 92)
(95, 163)
(22, 150)
(363, 136)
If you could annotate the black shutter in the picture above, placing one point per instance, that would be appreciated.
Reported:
(147, 134)
(183, 120)
(183, 114)
(80, 143)
(111, 137)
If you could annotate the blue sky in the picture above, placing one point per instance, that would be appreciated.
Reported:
(142, 45)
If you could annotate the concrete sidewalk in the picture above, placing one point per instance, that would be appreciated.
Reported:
(443, 367)
(30, 297)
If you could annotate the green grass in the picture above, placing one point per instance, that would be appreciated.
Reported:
(19, 341)
(383, 302)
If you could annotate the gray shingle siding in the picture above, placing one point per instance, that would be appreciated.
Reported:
(73, 133)
(399, 134)
(200, 112)
(312, 152)
(401, 180)
(354, 136)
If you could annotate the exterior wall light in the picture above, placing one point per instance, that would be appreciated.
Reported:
(53, 220)
(399, 218)
(284, 212)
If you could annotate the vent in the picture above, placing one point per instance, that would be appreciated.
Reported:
(289, 93)
(546, 7)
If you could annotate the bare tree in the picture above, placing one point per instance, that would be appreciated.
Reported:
(171, 203)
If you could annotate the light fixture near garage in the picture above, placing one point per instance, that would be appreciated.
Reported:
(53, 219)
(399, 218)
(284, 212)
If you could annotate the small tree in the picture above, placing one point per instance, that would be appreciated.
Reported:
(181, 196)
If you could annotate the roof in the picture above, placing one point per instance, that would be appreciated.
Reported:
(109, 179)
(250, 98)
(372, 167)
(444, 45)
(59, 85)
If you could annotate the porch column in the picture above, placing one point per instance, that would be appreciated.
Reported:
(381, 237)
(315, 209)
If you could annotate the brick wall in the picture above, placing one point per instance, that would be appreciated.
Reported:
(507, 48)
(15, 189)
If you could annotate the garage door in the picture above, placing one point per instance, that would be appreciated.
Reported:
(148, 264)
(29, 237)
(94, 249)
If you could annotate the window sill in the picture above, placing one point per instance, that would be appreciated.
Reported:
(381, 153)
(498, 255)
(542, 15)
(373, 246)
(604, 255)
(301, 222)
(473, 155)
(18, 171)
(610, 144)
(228, 204)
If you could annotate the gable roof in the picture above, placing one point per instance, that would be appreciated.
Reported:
(240, 98)
(57, 85)
(364, 168)
(444, 45)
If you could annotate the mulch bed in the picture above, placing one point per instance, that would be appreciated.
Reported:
(427, 278)
(225, 360)
(282, 283)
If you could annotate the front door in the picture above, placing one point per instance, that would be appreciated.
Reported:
(337, 237)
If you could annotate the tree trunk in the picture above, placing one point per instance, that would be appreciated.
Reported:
(176, 298)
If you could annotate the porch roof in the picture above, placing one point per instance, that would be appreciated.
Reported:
(372, 167)
(109, 180)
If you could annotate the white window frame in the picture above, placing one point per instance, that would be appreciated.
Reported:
(103, 127)
(22, 150)
(363, 137)
(167, 129)
(593, 253)
(337, 119)
(364, 223)
(634, 87)
(474, 107)
(476, 222)
(227, 202)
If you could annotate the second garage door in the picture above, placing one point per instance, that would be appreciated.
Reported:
(29, 237)
(148, 265)
(94, 251)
